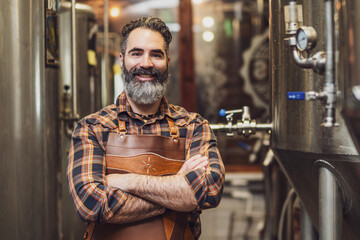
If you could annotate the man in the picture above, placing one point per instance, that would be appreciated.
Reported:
(174, 169)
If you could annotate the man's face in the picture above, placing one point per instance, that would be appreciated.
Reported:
(145, 66)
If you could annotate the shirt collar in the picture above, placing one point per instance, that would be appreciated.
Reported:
(123, 107)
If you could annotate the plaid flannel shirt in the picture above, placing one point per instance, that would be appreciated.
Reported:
(96, 202)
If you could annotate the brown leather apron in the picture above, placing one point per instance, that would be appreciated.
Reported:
(148, 155)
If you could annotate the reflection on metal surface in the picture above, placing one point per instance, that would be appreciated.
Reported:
(297, 139)
(29, 136)
(303, 39)
(87, 96)
(349, 51)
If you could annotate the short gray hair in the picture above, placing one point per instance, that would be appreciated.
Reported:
(152, 23)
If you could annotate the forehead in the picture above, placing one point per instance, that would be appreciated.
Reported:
(146, 39)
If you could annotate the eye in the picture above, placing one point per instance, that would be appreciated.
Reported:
(157, 55)
(135, 54)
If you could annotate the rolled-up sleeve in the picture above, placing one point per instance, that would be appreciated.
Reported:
(93, 200)
(207, 185)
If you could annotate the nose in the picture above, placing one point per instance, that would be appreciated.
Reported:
(146, 62)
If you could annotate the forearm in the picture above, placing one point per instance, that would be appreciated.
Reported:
(135, 209)
(172, 192)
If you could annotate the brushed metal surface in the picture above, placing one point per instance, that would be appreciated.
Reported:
(302, 169)
(88, 81)
(28, 135)
(297, 123)
(88, 94)
(298, 140)
(349, 52)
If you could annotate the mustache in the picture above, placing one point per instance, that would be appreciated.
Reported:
(142, 71)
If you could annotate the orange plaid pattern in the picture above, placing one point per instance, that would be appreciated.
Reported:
(96, 202)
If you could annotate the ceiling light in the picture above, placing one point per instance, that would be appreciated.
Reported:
(208, 36)
(114, 12)
(208, 22)
(197, 1)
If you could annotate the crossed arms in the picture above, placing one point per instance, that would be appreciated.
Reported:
(149, 196)
(131, 197)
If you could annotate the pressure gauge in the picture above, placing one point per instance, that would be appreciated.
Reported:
(306, 38)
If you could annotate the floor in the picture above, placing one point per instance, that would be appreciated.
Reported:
(240, 213)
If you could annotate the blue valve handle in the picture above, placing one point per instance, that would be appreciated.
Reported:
(296, 96)
(222, 112)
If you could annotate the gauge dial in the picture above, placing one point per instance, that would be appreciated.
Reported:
(306, 38)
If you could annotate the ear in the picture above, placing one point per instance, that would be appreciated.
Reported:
(168, 61)
(121, 60)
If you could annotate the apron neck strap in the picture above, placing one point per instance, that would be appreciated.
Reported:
(174, 131)
(122, 128)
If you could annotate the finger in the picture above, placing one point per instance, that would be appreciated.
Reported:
(202, 165)
(197, 156)
(193, 163)
(196, 164)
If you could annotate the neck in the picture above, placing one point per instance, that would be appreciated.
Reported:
(144, 109)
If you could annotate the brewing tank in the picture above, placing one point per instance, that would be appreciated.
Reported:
(87, 97)
(300, 142)
(87, 70)
(349, 33)
(29, 124)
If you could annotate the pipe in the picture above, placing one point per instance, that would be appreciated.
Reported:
(73, 59)
(316, 62)
(105, 61)
(106, 35)
(329, 86)
(264, 126)
(306, 226)
(289, 199)
(300, 61)
(330, 206)
(220, 126)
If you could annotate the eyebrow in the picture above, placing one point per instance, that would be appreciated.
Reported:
(158, 51)
(153, 51)
(135, 50)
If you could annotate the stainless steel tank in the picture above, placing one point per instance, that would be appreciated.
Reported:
(87, 97)
(349, 33)
(89, 85)
(301, 145)
(29, 125)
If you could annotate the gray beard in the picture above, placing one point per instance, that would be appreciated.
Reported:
(145, 92)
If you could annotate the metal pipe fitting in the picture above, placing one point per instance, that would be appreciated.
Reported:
(73, 58)
(293, 17)
(329, 87)
(330, 206)
(246, 126)
(316, 62)
(321, 62)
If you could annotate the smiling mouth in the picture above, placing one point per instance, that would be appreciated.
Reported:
(145, 77)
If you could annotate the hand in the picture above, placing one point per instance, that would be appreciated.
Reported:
(193, 163)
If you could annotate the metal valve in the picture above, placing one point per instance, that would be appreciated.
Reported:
(66, 115)
(246, 126)
(311, 95)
